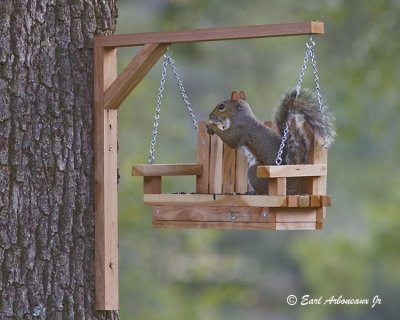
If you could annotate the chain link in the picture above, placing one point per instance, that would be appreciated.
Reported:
(168, 61)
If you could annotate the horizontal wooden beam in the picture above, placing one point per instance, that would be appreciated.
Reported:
(285, 171)
(212, 214)
(235, 201)
(236, 225)
(296, 226)
(210, 34)
(215, 225)
(154, 170)
(218, 200)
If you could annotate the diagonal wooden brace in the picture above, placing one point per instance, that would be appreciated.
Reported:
(131, 76)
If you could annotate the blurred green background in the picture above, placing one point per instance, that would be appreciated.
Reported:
(214, 274)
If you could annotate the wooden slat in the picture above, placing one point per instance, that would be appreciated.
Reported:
(303, 201)
(325, 201)
(295, 226)
(303, 170)
(219, 200)
(216, 153)
(292, 201)
(133, 74)
(211, 34)
(277, 186)
(228, 169)
(178, 169)
(235, 225)
(215, 225)
(241, 185)
(152, 185)
(317, 185)
(318, 155)
(320, 218)
(315, 201)
(296, 215)
(278, 201)
(213, 214)
(203, 156)
(105, 173)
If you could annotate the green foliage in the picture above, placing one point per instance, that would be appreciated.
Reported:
(200, 274)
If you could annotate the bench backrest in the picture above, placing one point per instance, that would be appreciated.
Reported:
(225, 169)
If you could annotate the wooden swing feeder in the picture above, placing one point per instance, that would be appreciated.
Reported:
(220, 201)
(221, 172)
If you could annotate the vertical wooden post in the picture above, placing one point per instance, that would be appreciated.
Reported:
(317, 185)
(105, 154)
(203, 157)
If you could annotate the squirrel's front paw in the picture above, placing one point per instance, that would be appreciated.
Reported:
(211, 127)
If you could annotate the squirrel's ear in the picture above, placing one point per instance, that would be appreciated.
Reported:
(242, 95)
(234, 96)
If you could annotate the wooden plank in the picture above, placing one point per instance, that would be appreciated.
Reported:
(215, 214)
(228, 169)
(105, 174)
(241, 185)
(292, 201)
(318, 155)
(295, 226)
(131, 76)
(218, 200)
(319, 218)
(152, 185)
(317, 185)
(296, 215)
(203, 156)
(211, 34)
(301, 170)
(315, 201)
(325, 201)
(178, 169)
(277, 186)
(303, 201)
(214, 225)
(216, 153)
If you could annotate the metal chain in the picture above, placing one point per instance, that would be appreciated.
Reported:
(309, 53)
(278, 160)
(318, 88)
(158, 109)
(302, 71)
(168, 61)
(315, 72)
(183, 92)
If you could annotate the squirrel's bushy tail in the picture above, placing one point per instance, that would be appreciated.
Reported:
(321, 122)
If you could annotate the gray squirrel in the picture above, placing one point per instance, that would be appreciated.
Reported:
(235, 123)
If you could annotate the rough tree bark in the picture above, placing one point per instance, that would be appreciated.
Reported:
(46, 157)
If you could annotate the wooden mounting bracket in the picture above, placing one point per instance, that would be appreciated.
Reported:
(110, 90)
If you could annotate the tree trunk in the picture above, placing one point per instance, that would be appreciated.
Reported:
(46, 157)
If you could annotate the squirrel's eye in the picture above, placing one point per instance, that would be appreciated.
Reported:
(221, 107)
